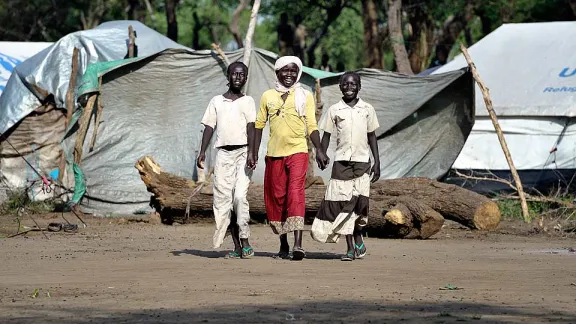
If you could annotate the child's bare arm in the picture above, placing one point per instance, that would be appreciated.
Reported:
(325, 141)
(206, 136)
(373, 142)
(250, 130)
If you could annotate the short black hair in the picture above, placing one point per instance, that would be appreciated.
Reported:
(352, 73)
(235, 64)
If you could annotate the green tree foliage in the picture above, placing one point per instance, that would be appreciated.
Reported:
(202, 22)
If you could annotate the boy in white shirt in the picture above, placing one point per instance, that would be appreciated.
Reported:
(233, 115)
(344, 210)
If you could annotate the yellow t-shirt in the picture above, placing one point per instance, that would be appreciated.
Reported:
(287, 128)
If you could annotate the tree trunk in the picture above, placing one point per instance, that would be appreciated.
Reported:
(233, 27)
(332, 14)
(404, 217)
(413, 206)
(250, 32)
(172, 32)
(573, 6)
(455, 203)
(396, 37)
(421, 39)
(372, 39)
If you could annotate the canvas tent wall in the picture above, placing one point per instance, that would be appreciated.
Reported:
(153, 106)
(530, 70)
(35, 129)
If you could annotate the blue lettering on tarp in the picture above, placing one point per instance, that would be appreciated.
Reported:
(564, 73)
(560, 89)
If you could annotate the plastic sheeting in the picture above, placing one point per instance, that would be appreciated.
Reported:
(530, 70)
(153, 106)
(50, 69)
(14, 53)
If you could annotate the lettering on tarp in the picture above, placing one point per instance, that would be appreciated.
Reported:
(566, 73)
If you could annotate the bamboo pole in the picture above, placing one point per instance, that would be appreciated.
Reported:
(250, 32)
(69, 109)
(488, 102)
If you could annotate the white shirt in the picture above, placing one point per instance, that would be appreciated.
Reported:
(351, 126)
(231, 116)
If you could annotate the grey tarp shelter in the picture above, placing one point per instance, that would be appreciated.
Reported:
(153, 106)
(530, 70)
(36, 132)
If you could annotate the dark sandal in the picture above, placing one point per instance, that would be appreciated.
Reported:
(360, 251)
(281, 255)
(298, 254)
(232, 255)
(348, 257)
(247, 253)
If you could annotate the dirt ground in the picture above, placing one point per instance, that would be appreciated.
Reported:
(116, 271)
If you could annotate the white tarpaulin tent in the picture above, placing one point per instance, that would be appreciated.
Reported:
(14, 53)
(530, 70)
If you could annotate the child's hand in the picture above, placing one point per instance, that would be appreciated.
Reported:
(251, 161)
(200, 160)
(375, 172)
(322, 159)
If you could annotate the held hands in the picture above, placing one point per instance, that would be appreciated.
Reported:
(200, 160)
(322, 159)
(251, 161)
(375, 172)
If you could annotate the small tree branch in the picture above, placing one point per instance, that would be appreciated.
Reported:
(499, 132)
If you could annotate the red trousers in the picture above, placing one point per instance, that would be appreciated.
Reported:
(284, 195)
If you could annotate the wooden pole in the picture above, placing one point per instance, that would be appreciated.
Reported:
(221, 53)
(132, 40)
(488, 102)
(69, 109)
(97, 119)
(250, 32)
(84, 123)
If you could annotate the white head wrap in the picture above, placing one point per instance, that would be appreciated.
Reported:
(299, 92)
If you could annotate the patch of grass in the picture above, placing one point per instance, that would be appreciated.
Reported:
(444, 314)
(511, 208)
(19, 198)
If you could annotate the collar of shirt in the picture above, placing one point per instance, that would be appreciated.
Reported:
(360, 104)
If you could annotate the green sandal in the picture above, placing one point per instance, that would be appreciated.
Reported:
(360, 251)
(247, 253)
(347, 257)
(232, 255)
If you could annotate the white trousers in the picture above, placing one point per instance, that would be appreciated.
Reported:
(231, 181)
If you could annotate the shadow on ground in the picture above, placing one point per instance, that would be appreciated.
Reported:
(222, 254)
(307, 312)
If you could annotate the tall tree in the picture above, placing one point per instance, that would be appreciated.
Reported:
(372, 35)
(172, 31)
(397, 38)
(421, 36)
(233, 27)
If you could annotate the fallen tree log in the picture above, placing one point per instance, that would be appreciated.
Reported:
(455, 203)
(393, 213)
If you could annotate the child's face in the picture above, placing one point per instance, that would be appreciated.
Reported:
(237, 78)
(288, 74)
(350, 87)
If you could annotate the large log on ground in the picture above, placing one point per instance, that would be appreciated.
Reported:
(412, 213)
(404, 217)
(455, 203)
